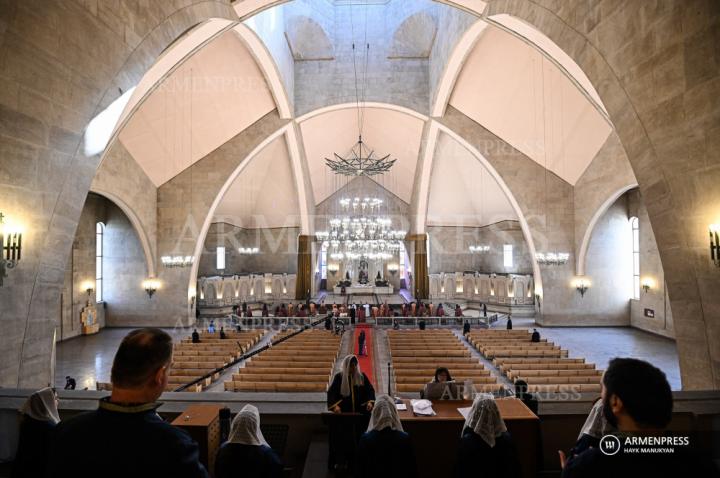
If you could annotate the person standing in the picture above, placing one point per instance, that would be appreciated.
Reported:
(466, 328)
(361, 343)
(351, 390)
(509, 322)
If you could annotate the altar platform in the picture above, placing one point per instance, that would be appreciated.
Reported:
(361, 289)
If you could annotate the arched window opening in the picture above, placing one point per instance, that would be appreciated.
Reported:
(636, 256)
(99, 234)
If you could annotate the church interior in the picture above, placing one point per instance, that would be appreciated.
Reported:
(423, 184)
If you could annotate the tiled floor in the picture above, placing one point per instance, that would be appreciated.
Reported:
(89, 359)
(600, 344)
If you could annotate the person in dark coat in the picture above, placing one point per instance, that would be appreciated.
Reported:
(466, 328)
(385, 450)
(361, 343)
(328, 322)
(39, 419)
(70, 383)
(125, 436)
(195, 337)
(222, 333)
(484, 310)
(521, 393)
(351, 390)
(486, 448)
(246, 453)
(509, 323)
(535, 336)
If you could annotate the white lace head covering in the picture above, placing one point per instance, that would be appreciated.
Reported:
(596, 425)
(384, 415)
(357, 379)
(41, 406)
(484, 419)
(245, 428)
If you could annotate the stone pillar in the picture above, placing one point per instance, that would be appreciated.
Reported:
(304, 268)
(420, 269)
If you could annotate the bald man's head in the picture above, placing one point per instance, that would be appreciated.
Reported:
(140, 355)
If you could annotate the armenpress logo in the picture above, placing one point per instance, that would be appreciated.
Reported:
(610, 445)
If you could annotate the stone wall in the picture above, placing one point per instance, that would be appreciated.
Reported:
(654, 66)
(609, 270)
(608, 174)
(127, 304)
(81, 270)
(401, 81)
(61, 63)
(121, 179)
(449, 248)
(452, 24)
(278, 250)
(656, 298)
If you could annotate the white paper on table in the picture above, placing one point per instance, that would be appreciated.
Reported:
(465, 411)
(422, 407)
(401, 406)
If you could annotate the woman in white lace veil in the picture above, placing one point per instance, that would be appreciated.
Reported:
(384, 415)
(357, 375)
(484, 419)
(245, 428)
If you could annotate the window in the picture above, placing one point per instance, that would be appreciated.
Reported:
(636, 256)
(99, 233)
(508, 255)
(323, 262)
(220, 258)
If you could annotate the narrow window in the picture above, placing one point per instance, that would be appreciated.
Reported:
(99, 233)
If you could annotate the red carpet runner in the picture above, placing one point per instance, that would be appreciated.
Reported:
(366, 361)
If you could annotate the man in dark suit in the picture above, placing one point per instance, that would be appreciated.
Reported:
(125, 436)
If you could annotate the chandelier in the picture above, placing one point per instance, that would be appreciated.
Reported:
(552, 258)
(360, 162)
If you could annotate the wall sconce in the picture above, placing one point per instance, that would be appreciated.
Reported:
(333, 268)
(479, 249)
(647, 284)
(88, 287)
(715, 243)
(10, 247)
(552, 258)
(177, 261)
(582, 286)
(393, 268)
(151, 286)
(248, 250)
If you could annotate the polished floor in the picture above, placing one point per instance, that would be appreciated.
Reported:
(89, 359)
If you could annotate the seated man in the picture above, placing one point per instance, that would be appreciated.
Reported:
(195, 337)
(125, 436)
(442, 387)
(535, 336)
(246, 452)
(638, 401)
(386, 450)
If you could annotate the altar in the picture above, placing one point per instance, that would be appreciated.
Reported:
(364, 289)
